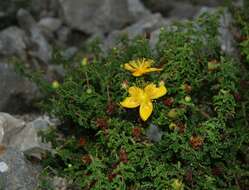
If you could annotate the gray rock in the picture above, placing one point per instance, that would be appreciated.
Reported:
(70, 52)
(154, 37)
(63, 34)
(146, 25)
(45, 8)
(41, 50)
(24, 136)
(226, 39)
(9, 127)
(16, 92)
(137, 9)
(17, 172)
(49, 23)
(13, 41)
(28, 141)
(94, 16)
(154, 133)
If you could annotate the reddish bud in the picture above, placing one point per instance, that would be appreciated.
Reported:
(123, 157)
(189, 176)
(136, 132)
(101, 123)
(82, 141)
(217, 171)
(237, 96)
(111, 176)
(196, 141)
(86, 159)
(111, 107)
(168, 101)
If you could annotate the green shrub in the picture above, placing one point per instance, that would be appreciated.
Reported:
(102, 145)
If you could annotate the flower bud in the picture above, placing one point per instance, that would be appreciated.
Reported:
(84, 61)
(55, 84)
(187, 99)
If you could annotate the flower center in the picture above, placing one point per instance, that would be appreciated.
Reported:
(144, 97)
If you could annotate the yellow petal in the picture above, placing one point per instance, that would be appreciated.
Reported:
(135, 91)
(129, 67)
(130, 102)
(152, 69)
(153, 92)
(145, 110)
(138, 73)
(146, 62)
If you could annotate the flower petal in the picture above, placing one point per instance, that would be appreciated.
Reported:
(129, 67)
(130, 102)
(155, 92)
(152, 70)
(135, 91)
(145, 110)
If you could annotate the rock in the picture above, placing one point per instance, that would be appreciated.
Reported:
(13, 41)
(226, 39)
(154, 37)
(9, 127)
(137, 9)
(59, 183)
(28, 141)
(154, 133)
(183, 10)
(146, 25)
(24, 136)
(94, 16)
(45, 8)
(8, 11)
(63, 34)
(49, 23)
(41, 49)
(180, 8)
(16, 92)
(70, 52)
(17, 172)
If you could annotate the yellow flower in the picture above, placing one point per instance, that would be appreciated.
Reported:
(143, 98)
(139, 67)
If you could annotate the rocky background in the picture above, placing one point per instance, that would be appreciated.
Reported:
(31, 29)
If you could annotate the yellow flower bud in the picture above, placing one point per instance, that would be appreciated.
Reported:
(84, 61)
(172, 126)
(172, 114)
(177, 184)
(89, 91)
(187, 99)
(55, 84)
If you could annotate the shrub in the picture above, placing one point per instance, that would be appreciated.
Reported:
(195, 137)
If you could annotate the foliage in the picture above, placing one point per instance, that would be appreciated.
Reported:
(101, 145)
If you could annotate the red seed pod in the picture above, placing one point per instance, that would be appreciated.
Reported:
(82, 141)
(189, 176)
(111, 108)
(136, 132)
(237, 96)
(181, 127)
(123, 157)
(196, 141)
(187, 88)
(102, 123)
(86, 159)
(217, 171)
(168, 101)
(111, 176)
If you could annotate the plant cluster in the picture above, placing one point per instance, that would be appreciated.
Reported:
(189, 131)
